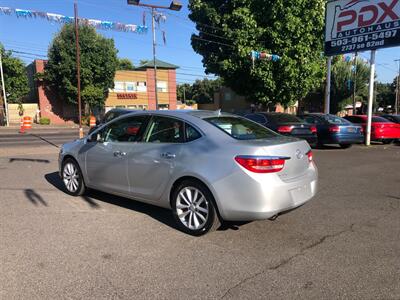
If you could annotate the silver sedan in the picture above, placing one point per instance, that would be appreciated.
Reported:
(206, 166)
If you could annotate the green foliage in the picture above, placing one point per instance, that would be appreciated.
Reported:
(15, 77)
(291, 29)
(125, 64)
(201, 91)
(385, 94)
(341, 90)
(44, 121)
(98, 65)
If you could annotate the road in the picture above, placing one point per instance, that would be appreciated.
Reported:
(345, 243)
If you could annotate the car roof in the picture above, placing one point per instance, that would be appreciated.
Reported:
(182, 113)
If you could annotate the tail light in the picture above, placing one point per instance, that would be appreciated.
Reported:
(334, 129)
(285, 129)
(313, 129)
(262, 164)
(361, 130)
(310, 156)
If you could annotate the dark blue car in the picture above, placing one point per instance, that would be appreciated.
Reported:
(332, 129)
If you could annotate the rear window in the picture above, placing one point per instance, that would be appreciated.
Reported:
(284, 118)
(380, 120)
(335, 120)
(241, 129)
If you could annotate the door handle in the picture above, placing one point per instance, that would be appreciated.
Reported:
(119, 153)
(168, 155)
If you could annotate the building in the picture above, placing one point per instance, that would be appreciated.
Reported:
(135, 89)
(229, 101)
(132, 89)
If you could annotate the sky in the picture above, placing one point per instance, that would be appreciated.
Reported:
(33, 36)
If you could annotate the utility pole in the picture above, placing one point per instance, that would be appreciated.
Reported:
(397, 100)
(154, 54)
(4, 92)
(78, 68)
(184, 94)
(354, 83)
(173, 6)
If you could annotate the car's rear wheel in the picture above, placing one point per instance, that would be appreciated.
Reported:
(194, 209)
(345, 146)
(72, 178)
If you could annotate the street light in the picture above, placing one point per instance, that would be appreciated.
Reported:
(176, 6)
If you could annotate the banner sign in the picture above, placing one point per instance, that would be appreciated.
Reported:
(360, 25)
(99, 24)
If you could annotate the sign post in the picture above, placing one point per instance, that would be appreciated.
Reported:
(370, 98)
(328, 85)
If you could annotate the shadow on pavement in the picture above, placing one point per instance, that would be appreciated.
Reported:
(34, 197)
(160, 214)
(46, 161)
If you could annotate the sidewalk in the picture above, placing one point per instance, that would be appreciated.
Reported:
(37, 128)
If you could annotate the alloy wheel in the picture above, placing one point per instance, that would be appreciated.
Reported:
(192, 208)
(71, 177)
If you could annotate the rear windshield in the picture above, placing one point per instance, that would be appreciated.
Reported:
(335, 120)
(241, 129)
(380, 120)
(284, 118)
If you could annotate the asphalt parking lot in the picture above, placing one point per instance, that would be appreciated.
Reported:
(344, 244)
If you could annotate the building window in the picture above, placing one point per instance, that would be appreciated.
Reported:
(162, 86)
(130, 86)
(119, 86)
(163, 106)
(141, 86)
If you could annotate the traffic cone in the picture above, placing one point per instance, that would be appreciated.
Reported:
(22, 127)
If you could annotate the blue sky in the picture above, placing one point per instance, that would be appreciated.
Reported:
(34, 35)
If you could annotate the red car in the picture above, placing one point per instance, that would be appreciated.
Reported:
(382, 130)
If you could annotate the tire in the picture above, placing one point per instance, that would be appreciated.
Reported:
(386, 142)
(194, 209)
(345, 146)
(72, 178)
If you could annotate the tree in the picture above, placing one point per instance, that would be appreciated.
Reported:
(201, 91)
(125, 64)
(184, 92)
(15, 77)
(229, 30)
(385, 95)
(343, 81)
(98, 58)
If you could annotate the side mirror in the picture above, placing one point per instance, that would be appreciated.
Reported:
(96, 137)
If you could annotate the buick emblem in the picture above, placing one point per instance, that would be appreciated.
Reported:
(299, 154)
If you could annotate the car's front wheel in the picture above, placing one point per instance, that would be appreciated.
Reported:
(72, 178)
(193, 208)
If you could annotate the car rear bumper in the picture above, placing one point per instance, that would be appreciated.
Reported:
(265, 195)
(345, 139)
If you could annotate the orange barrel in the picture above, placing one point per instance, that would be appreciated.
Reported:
(27, 122)
(21, 128)
(92, 122)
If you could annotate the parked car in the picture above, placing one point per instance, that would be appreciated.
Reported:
(392, 118)
(110, 115)
(205, 166)
(286, 124)
(332, 129)
(382, 130)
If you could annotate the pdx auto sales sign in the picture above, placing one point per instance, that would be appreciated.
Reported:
(360, 25)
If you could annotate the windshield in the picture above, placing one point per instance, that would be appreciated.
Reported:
(284, 118)
(335, 120)
(241, 129)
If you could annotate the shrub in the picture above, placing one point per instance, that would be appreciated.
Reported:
(44, 121)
